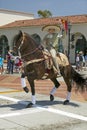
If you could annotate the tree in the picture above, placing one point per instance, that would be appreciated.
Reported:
(44, 14)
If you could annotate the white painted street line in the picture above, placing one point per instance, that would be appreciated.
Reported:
(68, 114)
(9, 115)
(40, 108)
(20, 113)
(13, 100)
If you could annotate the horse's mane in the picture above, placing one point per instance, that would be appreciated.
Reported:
(17, 37)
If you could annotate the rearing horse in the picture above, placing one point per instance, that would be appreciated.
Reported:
(34, 67)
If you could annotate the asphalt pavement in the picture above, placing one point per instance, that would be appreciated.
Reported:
(45, 115)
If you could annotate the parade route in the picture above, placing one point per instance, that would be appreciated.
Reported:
(45, 115)
(43, 65)
(40, 108)
(15, 116)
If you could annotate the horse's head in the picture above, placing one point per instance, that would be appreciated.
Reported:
(25, 44)
(22, 40)
(18, 39)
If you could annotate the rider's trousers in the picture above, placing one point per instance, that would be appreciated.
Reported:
(53, 54)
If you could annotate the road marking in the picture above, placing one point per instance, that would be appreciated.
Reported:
(68, 114)
(40, 108)
(20, 112)
(12, 91)
(13, 100)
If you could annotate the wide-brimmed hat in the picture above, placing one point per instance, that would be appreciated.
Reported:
(10, 50)
(47, 27)
(80, 52)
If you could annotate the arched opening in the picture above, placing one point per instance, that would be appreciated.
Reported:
(36, 37)
(3, 46)
(78, 43)
(81, 44)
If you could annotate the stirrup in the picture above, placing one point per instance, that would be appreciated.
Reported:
(58, 75)
(45, 76)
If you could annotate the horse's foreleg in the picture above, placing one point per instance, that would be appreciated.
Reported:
(23, 83)
(57, 84)
(33, 98)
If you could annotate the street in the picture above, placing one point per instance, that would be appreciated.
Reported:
(45, 115)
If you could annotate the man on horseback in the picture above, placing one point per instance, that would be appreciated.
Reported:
(34, 67)
(50, 42)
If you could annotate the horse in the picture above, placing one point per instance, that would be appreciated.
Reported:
(34, 68)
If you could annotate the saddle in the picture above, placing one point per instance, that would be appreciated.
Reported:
(61, 59)
(49, 63)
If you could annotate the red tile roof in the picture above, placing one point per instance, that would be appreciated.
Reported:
(74, 19)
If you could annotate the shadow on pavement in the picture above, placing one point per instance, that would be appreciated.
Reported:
(44, 103)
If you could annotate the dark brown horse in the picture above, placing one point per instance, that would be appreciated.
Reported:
(34, 60)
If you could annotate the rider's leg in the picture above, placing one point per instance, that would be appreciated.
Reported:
(53, 53)
(46, 64)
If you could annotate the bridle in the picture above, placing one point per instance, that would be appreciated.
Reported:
(39, 47)
(19, 48)
(29, 53)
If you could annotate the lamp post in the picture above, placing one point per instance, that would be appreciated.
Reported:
(69, 29)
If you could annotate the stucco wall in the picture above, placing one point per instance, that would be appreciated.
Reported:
(8, 17)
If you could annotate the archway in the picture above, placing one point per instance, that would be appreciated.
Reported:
(3, 46)
(81, 43)
(78, 43)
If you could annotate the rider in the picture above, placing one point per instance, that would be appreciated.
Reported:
(50, 42)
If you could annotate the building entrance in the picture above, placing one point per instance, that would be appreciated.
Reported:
(81, 44)
(3, 46)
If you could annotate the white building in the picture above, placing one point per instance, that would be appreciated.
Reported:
(7, 16)
(78, 32)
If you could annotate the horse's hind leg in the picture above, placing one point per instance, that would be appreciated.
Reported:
(68, 81)
(69, 88)
(57, 84)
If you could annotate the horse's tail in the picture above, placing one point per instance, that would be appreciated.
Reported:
(79, 79)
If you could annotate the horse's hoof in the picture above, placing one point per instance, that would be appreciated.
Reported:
(26, 89)
(51, 97)
(66, 102)
(30, 105)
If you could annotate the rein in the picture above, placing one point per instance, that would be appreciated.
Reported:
(32, 61)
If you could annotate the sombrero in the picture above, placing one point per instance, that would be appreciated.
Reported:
(10, 50)
(80, 52)
(47, 27)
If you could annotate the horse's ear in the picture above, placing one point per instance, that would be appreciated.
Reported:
(20, 33)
